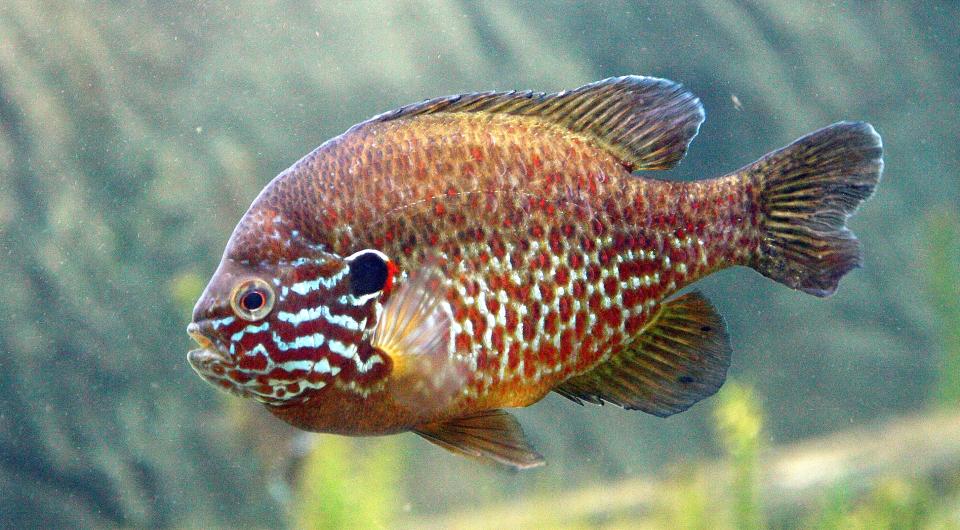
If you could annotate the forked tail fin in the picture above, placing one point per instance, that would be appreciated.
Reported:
(807, 191)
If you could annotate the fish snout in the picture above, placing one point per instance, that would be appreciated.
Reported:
(201, 335)
(209, 352)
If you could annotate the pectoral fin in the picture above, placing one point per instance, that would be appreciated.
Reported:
(679, 358)
(492, 435)
(414, 331)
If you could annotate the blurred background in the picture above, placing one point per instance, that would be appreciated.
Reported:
(134, 134)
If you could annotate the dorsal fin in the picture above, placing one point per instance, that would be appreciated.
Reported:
(645, 122)
(679, 358)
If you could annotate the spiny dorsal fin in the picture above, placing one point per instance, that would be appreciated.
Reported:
(646, 122)
(679, 358)
(492, 435)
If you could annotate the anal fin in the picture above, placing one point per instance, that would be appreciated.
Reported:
(680, 357)
(492, 435)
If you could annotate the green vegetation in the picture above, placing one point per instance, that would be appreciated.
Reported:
(739, 422)
(344, 483)
(892, 504)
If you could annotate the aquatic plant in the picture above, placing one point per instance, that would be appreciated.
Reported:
(348, 483)
(894, 503)
(739, 424)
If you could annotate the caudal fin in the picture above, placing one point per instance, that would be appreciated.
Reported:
(807, 191)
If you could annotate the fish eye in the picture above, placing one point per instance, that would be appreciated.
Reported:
(252, 299)
(369, 272)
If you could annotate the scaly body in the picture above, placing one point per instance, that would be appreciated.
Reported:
(551, 259)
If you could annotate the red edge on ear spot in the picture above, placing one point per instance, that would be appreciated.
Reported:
(392, 271)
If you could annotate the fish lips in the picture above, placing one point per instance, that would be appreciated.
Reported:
(207, 360)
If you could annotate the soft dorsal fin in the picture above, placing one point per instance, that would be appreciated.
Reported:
(679, 358)
(645, 122)
(492, 435)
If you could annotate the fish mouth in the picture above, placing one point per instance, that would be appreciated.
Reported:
(203, 358)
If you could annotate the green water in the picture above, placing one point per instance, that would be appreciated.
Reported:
(133, 135)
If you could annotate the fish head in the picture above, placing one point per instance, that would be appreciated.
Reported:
(284, 330)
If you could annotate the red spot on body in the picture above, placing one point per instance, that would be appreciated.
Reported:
(548, 354)
(555, 241)
(462, 342)
(537, 163)
(511, 320)
(493, 305)
(543, 260)
(564, 306)
(604, 257)
(596, 302)
(593, 273)
(479, 322)
(610, 286)
(581, 325)
(566, 344)
(529, 365)
(460, 314)
(497, 247)
(483, 360)
(496, 338)
(472, 288)
(597, 226)
(476, 153)
(547, 294)
(562, 275)
(578, 289)
(513, 357)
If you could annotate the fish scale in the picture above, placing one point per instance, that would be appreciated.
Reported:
(514, 236)
(443, 261)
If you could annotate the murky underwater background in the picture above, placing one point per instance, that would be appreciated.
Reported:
(133, 135)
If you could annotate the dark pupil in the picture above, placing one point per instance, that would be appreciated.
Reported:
(368, 274)
(252, 300)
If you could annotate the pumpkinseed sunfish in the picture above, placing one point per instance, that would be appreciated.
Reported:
(441, 262)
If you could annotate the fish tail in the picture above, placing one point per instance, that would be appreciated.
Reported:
(806, 192)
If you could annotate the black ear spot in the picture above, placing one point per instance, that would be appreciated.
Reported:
(368, 272)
